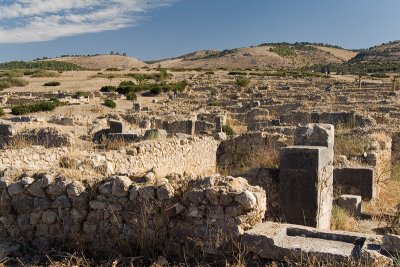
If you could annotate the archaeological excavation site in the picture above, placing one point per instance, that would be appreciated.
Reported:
(244, 157)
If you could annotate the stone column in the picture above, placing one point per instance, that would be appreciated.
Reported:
(306, 177)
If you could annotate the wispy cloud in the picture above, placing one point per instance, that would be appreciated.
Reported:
(23, 21)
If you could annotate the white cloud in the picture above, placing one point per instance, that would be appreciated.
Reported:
(42, 20)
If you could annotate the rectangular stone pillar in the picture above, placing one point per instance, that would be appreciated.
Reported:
(306, 185)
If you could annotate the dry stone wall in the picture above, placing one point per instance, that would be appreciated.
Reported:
(118, 214)
(173, 155)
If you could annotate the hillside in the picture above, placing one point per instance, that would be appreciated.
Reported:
(104, 62)
(266, 56)
(385, 53)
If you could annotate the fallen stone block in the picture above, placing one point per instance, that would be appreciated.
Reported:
(286, 242)
(391, 244)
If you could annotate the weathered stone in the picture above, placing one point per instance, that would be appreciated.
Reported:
(195, 196)
(391, 244)
(351, 203)
(23, 219)
(35, 217)
(49, 217)
(22, 203)
(120, 186)
(225, 200)
(75, 188)
(246, 199)
(147, 193)
(61, 202)
(41, 203)
(17, 188)
(7, 220)
(212, 196)
(306, 185)
(105, 188)
(97, 205)
(284, 242)
(165, 192)
(57, 188)
(133, 193)
(116, 126)
(36, 189)
(355, 181)
(315, 135)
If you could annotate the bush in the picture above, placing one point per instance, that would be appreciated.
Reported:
(12, 73)
(242, 81)
(237, 73)
(108, 89)
(78, 94)
(283, 50)
(52, 84)
(228, 130)
(131, 96)
(10, 82)
(155, 90)
(35, 107)
(109, 103)
(2, 113)
(41, 73)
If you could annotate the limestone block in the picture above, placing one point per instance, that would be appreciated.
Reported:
(391, 244)
(306, 185)
(315, 135)
(355, 181)
(350, 203)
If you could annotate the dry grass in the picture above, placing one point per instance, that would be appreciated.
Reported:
(114, 144)
(18, 142)
(351, 145)
(342, 220)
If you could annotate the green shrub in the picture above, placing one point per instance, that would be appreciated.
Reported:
(41, 73)
(237, 73)
(12, 73)
(35, 107)
(52, 84)
(108, 88)
(228, 130)
(44, 65)
(242, 81)
(283, 50)
(214, 103)
(155, 90)
(2, 113)
(78, 94)
(109, 103)
(10, 82)
(131, 96)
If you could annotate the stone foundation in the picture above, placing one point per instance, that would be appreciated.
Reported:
(119, 214)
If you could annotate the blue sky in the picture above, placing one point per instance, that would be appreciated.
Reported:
(154, 29)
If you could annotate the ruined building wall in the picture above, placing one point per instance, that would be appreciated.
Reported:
(255, 156)
(192, 156)
(117, 215)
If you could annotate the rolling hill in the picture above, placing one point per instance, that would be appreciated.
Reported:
(384, 53)
(265, 56)
(103, 62)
